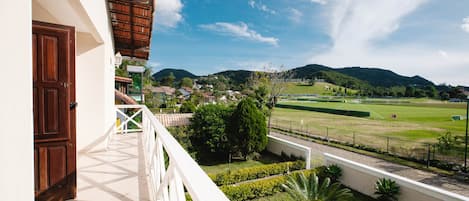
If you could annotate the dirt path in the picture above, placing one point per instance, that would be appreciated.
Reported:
(429, 178)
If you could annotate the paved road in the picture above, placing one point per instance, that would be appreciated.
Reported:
(411, 173)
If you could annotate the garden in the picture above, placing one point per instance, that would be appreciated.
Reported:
(229, 143)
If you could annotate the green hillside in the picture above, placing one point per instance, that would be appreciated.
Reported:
(178, 74)
(319, 88)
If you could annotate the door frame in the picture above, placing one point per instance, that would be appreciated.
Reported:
(71, 155)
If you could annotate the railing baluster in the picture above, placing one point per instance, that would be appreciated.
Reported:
(183, 171)
(179, 187)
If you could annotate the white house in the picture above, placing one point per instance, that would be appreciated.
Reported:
(58, 96)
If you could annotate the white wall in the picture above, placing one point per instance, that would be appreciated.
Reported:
(16, 116)
(277, 146)
(94, 65)
(362, 178)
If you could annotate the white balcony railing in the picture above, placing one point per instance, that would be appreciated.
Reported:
(168, 174)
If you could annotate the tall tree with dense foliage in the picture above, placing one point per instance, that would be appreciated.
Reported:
(186, 82)
(247, 128)
(208, 132)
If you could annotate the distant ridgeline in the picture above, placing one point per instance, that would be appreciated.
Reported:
(368, 81)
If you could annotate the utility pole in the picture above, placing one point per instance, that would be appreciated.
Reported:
(467, 121)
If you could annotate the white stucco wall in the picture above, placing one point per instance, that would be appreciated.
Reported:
(16, 116)
(277, 146)
(94, 65)
(362, 178)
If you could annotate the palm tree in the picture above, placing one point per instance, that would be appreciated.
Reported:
(311, 189)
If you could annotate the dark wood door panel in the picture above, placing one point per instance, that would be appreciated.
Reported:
(54, 126)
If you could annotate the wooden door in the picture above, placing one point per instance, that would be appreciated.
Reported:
(54, 118)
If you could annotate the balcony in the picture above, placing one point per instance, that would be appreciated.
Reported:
(142, 162)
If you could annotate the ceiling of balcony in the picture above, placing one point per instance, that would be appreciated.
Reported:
(132, 25)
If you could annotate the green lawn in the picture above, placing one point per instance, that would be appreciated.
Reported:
(266, 158)
(413, 123)
(322, 88)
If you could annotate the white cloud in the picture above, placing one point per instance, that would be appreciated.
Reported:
(322, 2)
(168, 13)
(240, 30)
(262, 7)
(295, 15)
(465, 24)
(356, 26)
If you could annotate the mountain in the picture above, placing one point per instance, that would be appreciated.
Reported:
(373, 76)
(236, 77)
(384, 78)
(178, 74)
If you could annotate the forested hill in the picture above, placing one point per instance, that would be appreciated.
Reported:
(372, 76)
(178, 74)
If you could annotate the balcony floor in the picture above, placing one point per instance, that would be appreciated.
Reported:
(116, 174)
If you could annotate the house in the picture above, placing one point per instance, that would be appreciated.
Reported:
(58, 136)
(185, 93)
(164, 90)
(121, 91)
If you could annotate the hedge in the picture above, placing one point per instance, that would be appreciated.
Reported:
(352, 113)
(260, 188)
(256, 172)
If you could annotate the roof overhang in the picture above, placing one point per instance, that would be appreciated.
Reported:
(132, 25)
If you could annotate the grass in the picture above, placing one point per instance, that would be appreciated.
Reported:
(414, 123)
(266, 158)
(378, 155)
(321, 88)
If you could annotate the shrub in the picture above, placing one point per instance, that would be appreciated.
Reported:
(333, 172)
(303, 188)
(387, 189)
(257, 189)
(187, 107)
(247, 128)
(208, 136)
(352, 113)
(256, 172)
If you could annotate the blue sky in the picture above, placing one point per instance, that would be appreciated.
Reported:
(411, 37)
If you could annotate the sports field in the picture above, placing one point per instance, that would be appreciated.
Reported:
(419, 121)
(320, 88)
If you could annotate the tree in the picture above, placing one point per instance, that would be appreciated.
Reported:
(187, 107)
(432, 92)
(208, 132)
(311, 189)
(409, 91)
(247, 129)
(168, 80)
(186, 82)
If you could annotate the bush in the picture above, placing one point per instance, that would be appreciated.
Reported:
(208, 136)
(247, 129)
(334, 172)
(387, 189)
(257, 189)
(187, 107)
(257, 172)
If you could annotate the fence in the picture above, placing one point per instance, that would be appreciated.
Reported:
(178, 119)
(425, 152)
(171, 170)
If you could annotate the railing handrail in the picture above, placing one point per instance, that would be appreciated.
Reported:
(196, 181)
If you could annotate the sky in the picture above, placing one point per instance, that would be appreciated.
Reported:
(429, 38)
